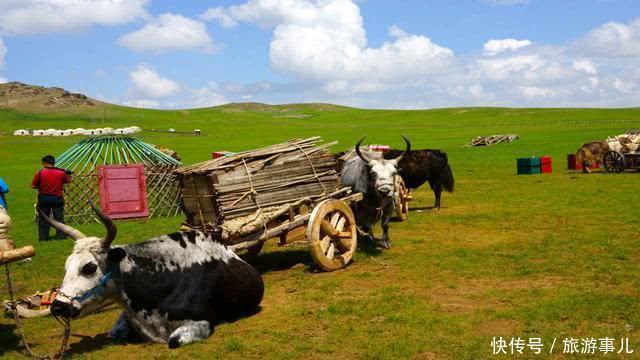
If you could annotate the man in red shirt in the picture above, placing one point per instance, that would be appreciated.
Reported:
(50, 183)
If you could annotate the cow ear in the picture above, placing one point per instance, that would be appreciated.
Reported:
(116, 255)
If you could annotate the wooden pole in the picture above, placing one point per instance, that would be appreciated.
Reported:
(10, 256)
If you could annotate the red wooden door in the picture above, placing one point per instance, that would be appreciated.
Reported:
(123, 191)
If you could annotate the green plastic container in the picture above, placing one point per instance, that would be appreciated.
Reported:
(529, 166)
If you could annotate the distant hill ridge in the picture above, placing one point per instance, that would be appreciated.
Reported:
(19, 96)
(39, 99)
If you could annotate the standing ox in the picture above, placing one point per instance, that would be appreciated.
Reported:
(173, 288)
(373, 176)
(420, 166)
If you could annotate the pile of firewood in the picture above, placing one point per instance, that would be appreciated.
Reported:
(245, 183)
(491, 140)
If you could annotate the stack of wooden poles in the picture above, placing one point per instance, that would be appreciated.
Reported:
(492, 140)
(247, 182)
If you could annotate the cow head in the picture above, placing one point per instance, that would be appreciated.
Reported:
(86, 286)
(382, 172)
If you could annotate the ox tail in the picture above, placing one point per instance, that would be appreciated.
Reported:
(446, 175)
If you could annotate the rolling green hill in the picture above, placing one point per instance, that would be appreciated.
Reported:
(549, 256)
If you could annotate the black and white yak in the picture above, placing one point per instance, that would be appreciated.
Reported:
(173, 288)
(419, 166)
(373, 176)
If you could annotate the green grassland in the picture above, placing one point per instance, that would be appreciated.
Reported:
(551, 256)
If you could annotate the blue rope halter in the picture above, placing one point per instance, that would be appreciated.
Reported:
(97, 290)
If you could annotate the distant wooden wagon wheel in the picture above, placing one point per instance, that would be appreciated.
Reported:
(332, 234)
(613, 162)
(401, 201)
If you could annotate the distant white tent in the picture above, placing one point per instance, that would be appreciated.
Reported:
(38, 132)
(67, 132)
(21, 132)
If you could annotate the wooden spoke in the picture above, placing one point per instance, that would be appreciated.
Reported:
(324, 244)
(331, 251)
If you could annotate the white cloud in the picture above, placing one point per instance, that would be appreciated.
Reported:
(586, 66)
(503, 68)
(3, 80)
(534, 91)
(169, 32)
(623, 86)
(220, 15)
(324, 44)
(3, 53)
(612, 39)
(148, 84)
(19, 17)
(207, 96)
(494, 47)
(322, 48)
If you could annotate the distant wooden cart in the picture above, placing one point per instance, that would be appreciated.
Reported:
(616, 162)
(289, 191)
(403, 197)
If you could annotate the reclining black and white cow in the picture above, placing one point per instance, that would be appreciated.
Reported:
(373, 176)
(173, 288)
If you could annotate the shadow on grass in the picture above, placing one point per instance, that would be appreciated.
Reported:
(269, 261)
(9, 340)
(88, 344)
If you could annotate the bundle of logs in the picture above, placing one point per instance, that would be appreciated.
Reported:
(491, 140)
(258, 183)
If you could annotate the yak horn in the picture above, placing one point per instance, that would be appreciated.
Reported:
(364, 158)
(108, 223)
(74, 233)
(397, 159)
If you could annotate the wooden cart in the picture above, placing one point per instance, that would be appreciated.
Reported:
(616, 162)
(290, 191)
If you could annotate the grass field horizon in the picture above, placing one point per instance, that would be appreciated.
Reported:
(551, 256)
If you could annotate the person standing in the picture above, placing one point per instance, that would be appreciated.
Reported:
(49, 182)
(5, 219)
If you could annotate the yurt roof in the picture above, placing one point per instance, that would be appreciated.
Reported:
(112, 150)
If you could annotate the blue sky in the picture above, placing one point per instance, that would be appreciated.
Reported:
(376, 54)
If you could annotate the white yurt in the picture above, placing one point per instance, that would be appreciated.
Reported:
(50, 132)
(21, 132)
(67, 132)
(38, 132)
(107, 130)
(79, 131)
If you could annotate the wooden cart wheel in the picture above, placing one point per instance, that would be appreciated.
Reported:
(401, 201)
(332, 234)
(613, 162)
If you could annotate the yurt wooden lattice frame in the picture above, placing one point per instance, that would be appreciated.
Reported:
(163, 190)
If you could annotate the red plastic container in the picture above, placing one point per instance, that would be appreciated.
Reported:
(545, 164)
(572, 164)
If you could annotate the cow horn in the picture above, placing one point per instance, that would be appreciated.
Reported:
(108, 223)
(364, 158)
(74, 233)
(397, 159)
